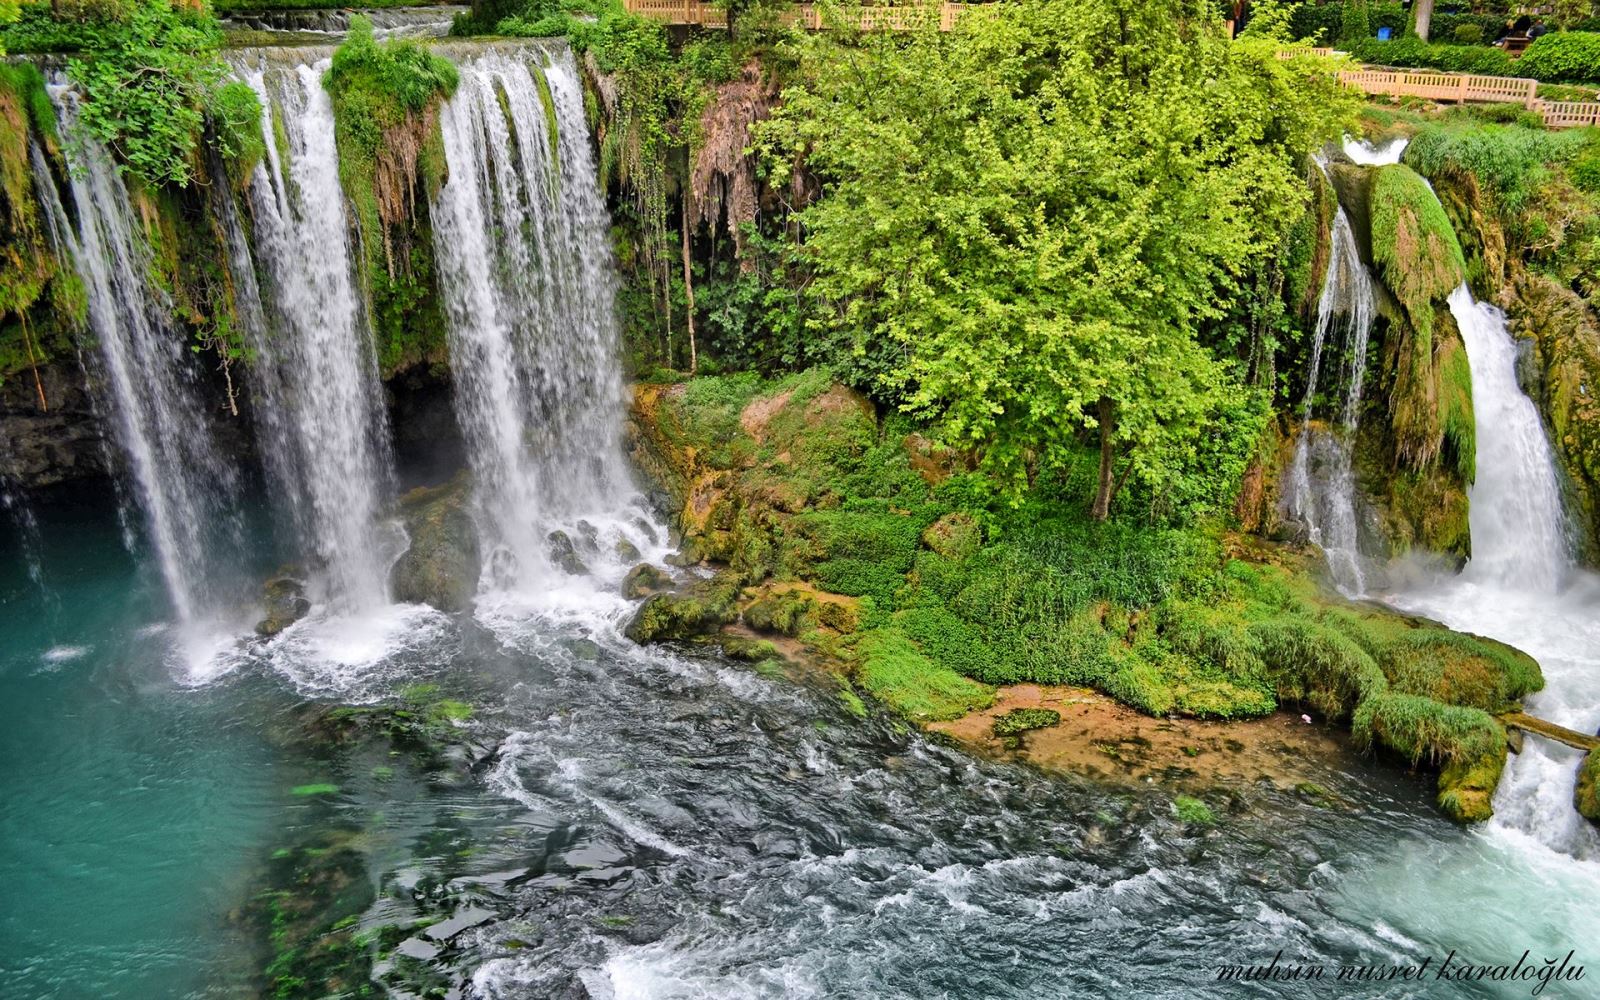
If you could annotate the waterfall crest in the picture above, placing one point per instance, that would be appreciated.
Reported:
(521, 234)
(146, 378)
(319, 403)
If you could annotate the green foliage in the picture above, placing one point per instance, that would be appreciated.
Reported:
(892, 668)
(1467, 34)
(1193, 812)
(1412, 51)
(385, 98)
(1563, 57)
(1509, 160)
(947, 640)
(1354, 25)
(236, 123)
(1050, 219)
(1021, 720)
(1423, 729)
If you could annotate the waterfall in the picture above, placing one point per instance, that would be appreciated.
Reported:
(1519, 534)
(1522, 587)
(1320, 485)
(521, 237)
(319, 403)
(145, 379)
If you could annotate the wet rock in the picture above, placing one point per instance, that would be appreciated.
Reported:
(1586, 796)
(1466, 788)
(46, 447)
(442, 566)
(739, 647)
(701, 609)
(584, 649)
(590, 535)
(693, 552)
(627, 551)
(285, 602)
(785, 613)
(466, 919)
(604, 876)
(644, 580)
(418, 949)
(564, 555)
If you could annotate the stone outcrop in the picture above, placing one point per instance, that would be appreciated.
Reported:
(442, 566)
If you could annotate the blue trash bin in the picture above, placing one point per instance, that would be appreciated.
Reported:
(1384, 33)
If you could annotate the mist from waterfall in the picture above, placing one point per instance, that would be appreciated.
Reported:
(319, 404)
(521, 238)
(145, 379)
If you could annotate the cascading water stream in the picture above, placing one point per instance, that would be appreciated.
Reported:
(324, 431)
(185, 489)
(1321, 484)
(520, 233)
(1522, 587)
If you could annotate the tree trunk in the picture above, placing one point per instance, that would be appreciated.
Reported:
(1108, 454)
(688, 283)
(1423, 11)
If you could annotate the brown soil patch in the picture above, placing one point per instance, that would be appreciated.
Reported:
(760, 412)
(1101, 739)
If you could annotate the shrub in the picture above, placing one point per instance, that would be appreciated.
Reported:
(1563, 57)
(1468, 34)
(236, 128)
(1413, 52)
(1508, 159)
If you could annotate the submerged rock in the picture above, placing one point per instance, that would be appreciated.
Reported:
(442, 566)
(284, 599)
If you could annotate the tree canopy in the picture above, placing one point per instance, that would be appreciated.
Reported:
(1027, 224)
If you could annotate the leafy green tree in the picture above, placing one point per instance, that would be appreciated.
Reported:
(1027, 224)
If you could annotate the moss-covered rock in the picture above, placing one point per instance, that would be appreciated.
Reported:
(284, 602)
(1566, 338)
(703, 607)
(563, 554)
(644, 580)
(1021, 720)
(442, 566)
(784, 612)
(1586, 796)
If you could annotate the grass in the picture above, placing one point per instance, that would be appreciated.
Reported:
(1193, 812)
(896, 672)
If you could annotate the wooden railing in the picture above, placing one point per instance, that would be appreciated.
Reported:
(1444, 86)
(1570, 114)
(899, 17)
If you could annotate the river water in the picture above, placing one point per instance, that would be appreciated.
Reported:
(650, 824)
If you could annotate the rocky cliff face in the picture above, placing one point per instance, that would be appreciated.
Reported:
(54, 443)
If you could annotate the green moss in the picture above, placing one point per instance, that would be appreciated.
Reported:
(1459, 669)
(317, 789)
(1455, 409)
(1586, 796)
(1193, 812)
(1413, 242)
(1020, 720)
(948, 640)
(1425, 730)
(1466, 787)
(896, 672)
(705, 606)
(385, 99)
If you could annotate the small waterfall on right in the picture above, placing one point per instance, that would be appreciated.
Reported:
(1320, 483)
(1522, 587)
(324, 430)
(525, 266)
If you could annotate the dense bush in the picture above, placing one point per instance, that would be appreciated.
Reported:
(1507, 159)
(150, 76)
(1411, 52)
(1563, 57)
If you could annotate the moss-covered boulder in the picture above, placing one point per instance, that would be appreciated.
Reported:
(1586, 797)
(782, 612)
(563, 554)
(284, 602)
(644, 580)
(1021, 720)
(442, 566)
(1566, 338)
(701, 608)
